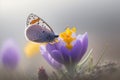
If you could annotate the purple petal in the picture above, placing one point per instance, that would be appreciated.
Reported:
(10, 54)
(84, 43)
(65, 54)
(55, 46)
(51, 47)
(49, 59)
(84, 40)
(60, 43)
(76, 51)
(57, 55)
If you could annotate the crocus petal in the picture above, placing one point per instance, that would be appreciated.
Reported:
(79, 37)
(49, 59)
(50, 47)
(60, 43)
(84, 43)
(66, 54)
(76, 51)
(57, 55)
(55, 46)
(10, 54)
(84, 40)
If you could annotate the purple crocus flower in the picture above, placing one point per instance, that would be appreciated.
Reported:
(10, 54)
(69, 49)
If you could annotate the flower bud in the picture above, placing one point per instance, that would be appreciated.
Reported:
(42, 75)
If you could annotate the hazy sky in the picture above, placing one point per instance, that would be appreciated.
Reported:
(100, 18)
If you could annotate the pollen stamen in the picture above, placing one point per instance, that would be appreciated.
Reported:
(67, 37)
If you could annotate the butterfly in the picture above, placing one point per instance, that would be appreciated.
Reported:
(37, 30)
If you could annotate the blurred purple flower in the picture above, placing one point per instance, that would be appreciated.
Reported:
(69, 49)
(10, 54)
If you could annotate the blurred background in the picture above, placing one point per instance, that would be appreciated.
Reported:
(100, 18)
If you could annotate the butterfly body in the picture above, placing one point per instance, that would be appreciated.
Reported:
(38, 30)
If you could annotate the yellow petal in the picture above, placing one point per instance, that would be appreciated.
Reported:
(31, 49)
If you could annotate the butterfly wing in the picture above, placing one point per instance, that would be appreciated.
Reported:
(34, 19)
(38, 30)
(36, 33)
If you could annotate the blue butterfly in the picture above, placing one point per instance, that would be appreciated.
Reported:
(38, 30)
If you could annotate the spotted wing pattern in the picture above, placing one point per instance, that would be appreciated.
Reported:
(34, 19)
